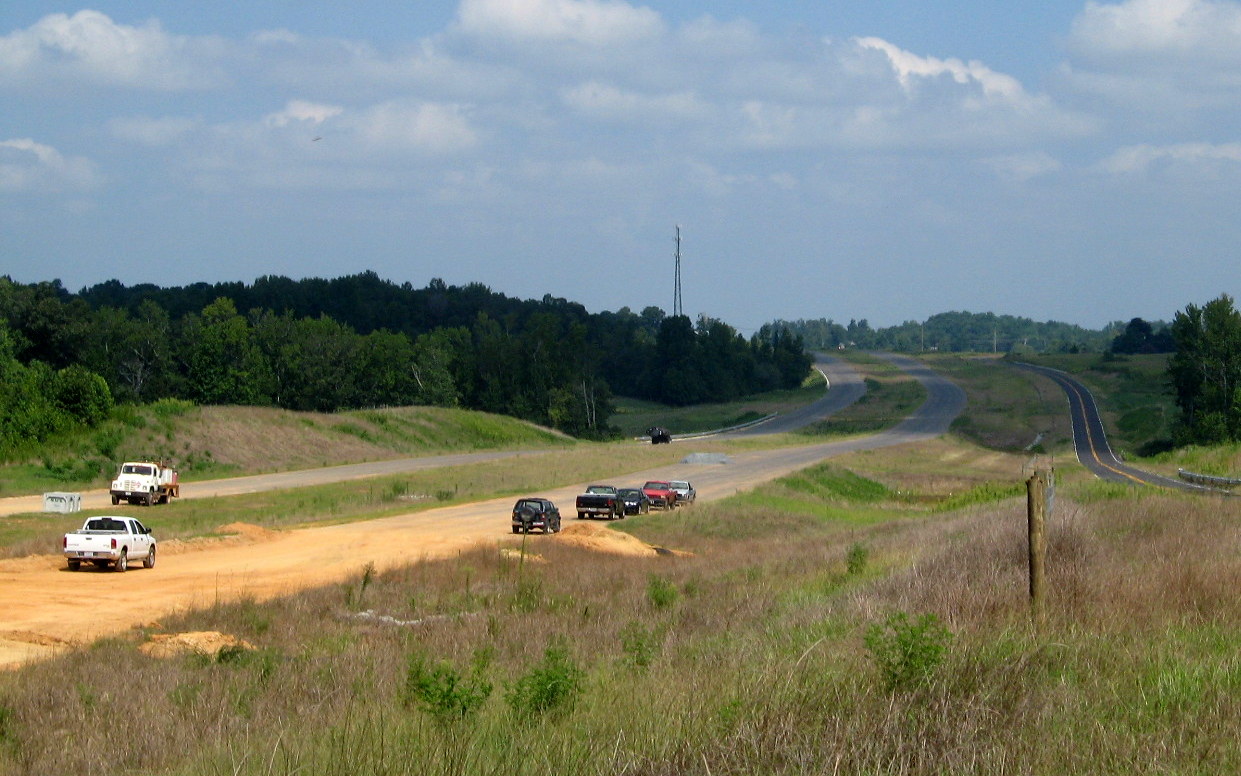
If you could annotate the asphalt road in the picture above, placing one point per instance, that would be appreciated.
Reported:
(1090, 436)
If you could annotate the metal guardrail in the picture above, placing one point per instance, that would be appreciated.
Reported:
(1207, 479)
(700, 434)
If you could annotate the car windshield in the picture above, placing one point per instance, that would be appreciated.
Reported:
(599, 489)
(105, 524)
(134, 469)
(656, 485)
(680, 485)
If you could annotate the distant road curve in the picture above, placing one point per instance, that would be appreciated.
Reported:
(1090, 437)
(844, 387)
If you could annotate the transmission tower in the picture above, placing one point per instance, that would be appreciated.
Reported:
(677, 307)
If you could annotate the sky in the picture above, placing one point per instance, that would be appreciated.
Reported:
(1066, 161)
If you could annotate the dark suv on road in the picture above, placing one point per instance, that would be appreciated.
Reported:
(532, 513)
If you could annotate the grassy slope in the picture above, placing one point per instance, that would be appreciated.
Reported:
(210, 442)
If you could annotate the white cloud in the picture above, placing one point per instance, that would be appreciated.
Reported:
(914, 71)
(302, 111)
(29, 166)
(1178, 58)
(90, 48)
(587, 22)
(607, 102)
(1195, 28)
(1204, 157)
(423, 127)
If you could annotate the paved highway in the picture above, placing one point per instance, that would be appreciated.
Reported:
(1090, 437)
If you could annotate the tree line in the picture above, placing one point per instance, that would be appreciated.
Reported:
(955, 332)
(361, 341)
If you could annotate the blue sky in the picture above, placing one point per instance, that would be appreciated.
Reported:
(888, 161)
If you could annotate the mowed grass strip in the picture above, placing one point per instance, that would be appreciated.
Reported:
(891, 396)
(634, 416)
(757, 652)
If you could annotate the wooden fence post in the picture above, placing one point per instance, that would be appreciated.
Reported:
(1036, 518)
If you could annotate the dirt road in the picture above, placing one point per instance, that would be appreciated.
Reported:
(45, 608)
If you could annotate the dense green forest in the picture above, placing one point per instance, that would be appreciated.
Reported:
(360, 341)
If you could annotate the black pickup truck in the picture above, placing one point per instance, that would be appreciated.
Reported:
(600, 501)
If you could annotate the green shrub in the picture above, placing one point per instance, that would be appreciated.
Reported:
(857, 558)
(553, 684)
(661, 593)
(640, 645)
(907, 651)
(442, 691)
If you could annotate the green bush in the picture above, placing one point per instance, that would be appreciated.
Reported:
(661, 593)
(442, 691)
(907, 651)
(640, 645)
(857, 558)
(553, 684)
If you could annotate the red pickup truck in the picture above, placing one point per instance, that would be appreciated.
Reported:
(661, 494)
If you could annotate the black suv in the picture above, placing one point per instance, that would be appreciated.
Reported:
(531, 513)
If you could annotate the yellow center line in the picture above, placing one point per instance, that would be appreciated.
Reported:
(1094, 451)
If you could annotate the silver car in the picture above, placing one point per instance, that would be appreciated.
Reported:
(685, 491)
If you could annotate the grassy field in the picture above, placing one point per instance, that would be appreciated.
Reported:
(1009, 409)
(854, 618)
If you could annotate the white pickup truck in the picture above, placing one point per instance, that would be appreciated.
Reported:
(109, 540)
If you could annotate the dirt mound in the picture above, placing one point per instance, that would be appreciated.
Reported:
(210, 643)
(247, 531)
(600, 538)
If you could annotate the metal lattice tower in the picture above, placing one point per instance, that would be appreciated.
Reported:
(677, 307)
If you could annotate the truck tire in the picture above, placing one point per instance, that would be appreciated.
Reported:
(74, 565)
(149, 499)
(116, 500)
(122, 562)
(581, 515)
(149, 560)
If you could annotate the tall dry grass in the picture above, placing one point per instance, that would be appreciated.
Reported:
(756, 664)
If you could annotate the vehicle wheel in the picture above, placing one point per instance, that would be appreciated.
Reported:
(516, 530)
(74, 565)
(116, 500)
(149, 562)
(122, 562)
(581, 515)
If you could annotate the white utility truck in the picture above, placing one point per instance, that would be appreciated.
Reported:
(145, 482)
(109, 540)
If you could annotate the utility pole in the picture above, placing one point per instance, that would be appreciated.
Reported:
(677, 307)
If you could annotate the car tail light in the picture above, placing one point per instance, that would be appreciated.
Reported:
(114, 544)
(64, 542)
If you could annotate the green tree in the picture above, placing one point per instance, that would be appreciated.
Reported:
(223, 363)
(1205, 372)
